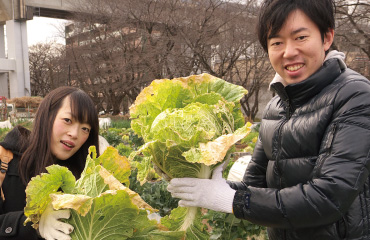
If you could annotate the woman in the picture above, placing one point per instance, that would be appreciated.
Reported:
(65, 126)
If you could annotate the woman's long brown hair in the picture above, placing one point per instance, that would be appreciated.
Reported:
(37, 155)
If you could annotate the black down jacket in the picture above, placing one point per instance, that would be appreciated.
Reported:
(309, 174)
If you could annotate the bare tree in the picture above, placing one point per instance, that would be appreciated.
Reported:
(46, 68)
(254, 72)
(211, 35)
(106, 53)
(353, 33)
(116, 47)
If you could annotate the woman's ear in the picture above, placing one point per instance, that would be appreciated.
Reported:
(328, 39)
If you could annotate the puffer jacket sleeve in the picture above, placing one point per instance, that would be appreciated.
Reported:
(12, 228)
(341, 170)
(255, 174)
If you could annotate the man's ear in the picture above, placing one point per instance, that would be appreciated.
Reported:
(328, 39)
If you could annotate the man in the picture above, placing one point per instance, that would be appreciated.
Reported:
(309, 174)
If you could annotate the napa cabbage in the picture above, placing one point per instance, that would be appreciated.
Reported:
(189, 126)
(102, 208)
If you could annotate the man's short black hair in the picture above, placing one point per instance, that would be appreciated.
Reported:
(273, 14)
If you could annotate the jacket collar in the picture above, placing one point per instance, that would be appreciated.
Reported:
(301, 92)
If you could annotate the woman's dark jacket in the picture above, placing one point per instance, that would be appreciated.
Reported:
(11, 210)
(309, 174)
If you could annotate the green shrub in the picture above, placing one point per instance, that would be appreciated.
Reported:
(121, 123)
(154, 193)
(121, 132)
(227, 227)
(112, 136)
(124, 149)
(3, 132)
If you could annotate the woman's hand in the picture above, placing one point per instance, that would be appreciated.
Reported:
(51, 228)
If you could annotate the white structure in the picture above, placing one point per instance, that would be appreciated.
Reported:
(105, 123)
(6, 124)
(237, 170)
(15, 63)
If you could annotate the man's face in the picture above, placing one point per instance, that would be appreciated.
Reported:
(297, 50)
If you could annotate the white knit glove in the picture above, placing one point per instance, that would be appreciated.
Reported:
(51, 228)
(214, 194)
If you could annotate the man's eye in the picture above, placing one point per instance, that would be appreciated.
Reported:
(275, 43)
(301, 37)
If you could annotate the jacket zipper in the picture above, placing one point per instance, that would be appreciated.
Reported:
(328, 147)
(287, 117)
(331, 137)
(288, 109)
(278, 154)
(283, 96)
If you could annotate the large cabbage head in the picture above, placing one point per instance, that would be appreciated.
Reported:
(189, 126)
(192, 124)
(188, 123)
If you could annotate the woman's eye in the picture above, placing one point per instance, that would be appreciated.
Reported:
(86, 130)
(67, 120)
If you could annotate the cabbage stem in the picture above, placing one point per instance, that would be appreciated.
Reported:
(204, 172)
(189, 218)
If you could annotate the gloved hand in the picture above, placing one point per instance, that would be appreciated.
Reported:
(51, 228)
(214, 194)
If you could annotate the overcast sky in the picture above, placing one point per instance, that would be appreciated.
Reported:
(42, 29)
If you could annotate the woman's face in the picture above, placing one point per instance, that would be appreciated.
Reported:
(68, 134)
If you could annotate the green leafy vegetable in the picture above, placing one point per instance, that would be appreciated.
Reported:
(189, 126)
(189, 220)
(101, 206)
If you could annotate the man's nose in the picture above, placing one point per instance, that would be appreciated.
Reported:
(290, 50)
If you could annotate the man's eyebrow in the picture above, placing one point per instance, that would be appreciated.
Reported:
(273, 36)
(298, 30)
(292, 33)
